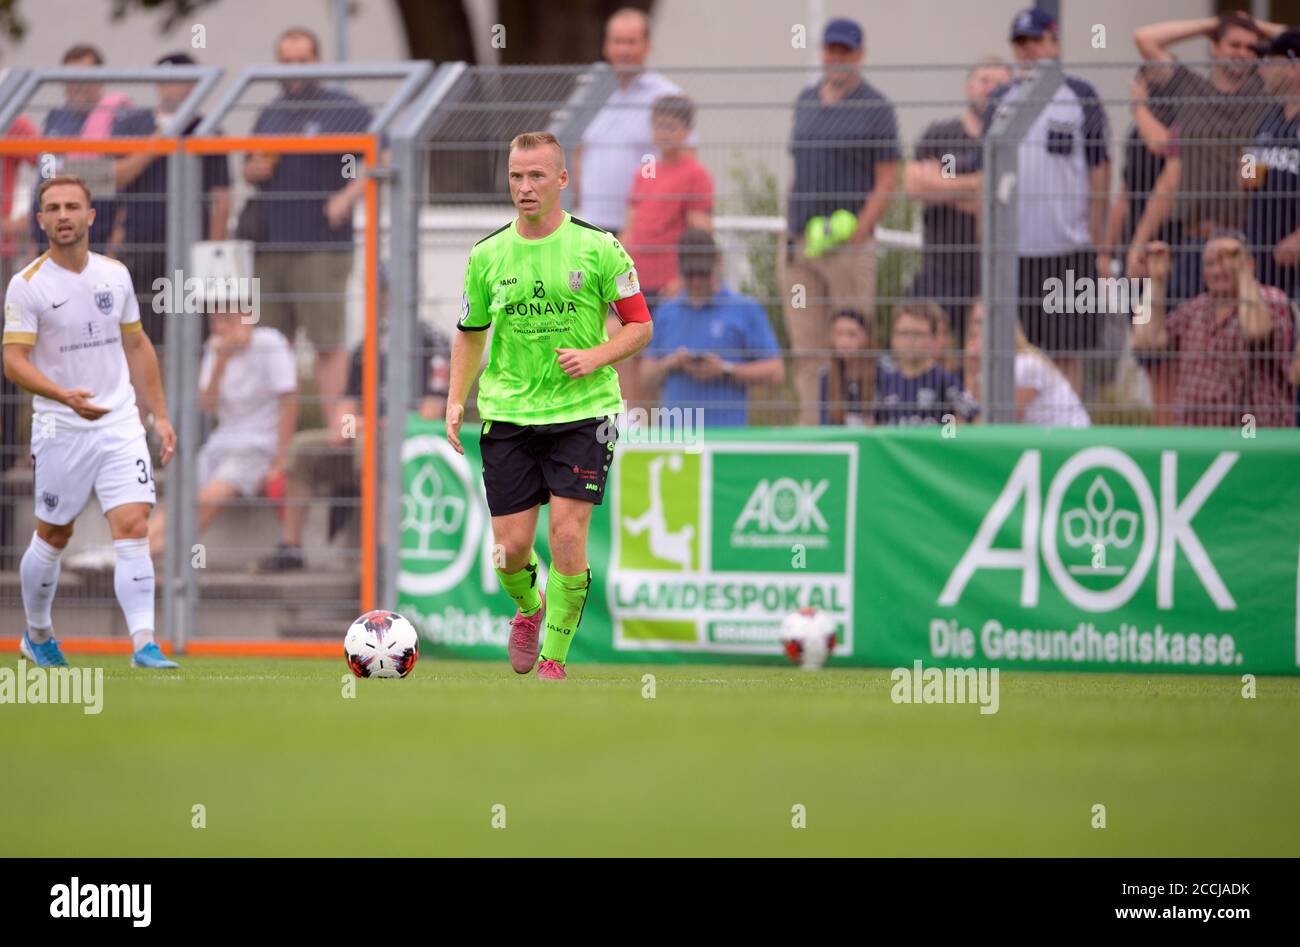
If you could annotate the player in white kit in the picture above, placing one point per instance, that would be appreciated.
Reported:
(73, 338)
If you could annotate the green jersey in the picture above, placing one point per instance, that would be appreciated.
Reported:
(543, 295)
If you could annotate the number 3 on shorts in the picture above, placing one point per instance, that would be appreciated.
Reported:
(146, 474)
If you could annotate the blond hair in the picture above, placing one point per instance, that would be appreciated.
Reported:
(529, 140)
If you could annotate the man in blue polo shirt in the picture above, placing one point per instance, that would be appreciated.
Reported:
(710, 344)
(302, 218)
(845, 150)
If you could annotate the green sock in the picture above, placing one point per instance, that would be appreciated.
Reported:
(522, 585)
(566, 596)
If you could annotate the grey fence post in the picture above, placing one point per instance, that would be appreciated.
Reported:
(185, 213)
(11, 80)
(1000, 253)
(403, 306)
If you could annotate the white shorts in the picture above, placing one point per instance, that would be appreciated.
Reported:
(113, 461)
(242, 467)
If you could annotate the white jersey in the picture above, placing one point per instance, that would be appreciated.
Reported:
(75, 323)
(1056, 404)
(248, 398)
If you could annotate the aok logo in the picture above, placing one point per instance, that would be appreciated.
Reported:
(1165, 527)
(442, 522)
(784, 505)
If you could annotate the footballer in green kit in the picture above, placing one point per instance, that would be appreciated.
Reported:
(545, 283)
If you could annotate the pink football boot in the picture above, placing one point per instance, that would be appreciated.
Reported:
(551, 671)
(524, 643)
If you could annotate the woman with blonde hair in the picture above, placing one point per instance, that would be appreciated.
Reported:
(1043, 394)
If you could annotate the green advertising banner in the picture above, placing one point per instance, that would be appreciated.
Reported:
(1133, 549)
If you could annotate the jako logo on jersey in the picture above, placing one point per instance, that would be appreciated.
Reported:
(510, 282)
(77, 900)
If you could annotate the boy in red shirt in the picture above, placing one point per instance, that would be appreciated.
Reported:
(668, 195)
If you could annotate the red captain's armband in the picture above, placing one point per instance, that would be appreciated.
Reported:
(632, 309)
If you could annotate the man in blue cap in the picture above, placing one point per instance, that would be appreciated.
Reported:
(845, 150)
(1063, 188)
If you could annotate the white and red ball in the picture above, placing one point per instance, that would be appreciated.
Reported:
(381, 644)
(808, 636)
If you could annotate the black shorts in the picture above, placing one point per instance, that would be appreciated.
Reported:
(524, 465)
(1058, 333)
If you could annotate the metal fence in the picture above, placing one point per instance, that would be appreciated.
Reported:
(979, 291)
(1063, 187)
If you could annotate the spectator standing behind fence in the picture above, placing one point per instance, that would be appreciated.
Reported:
(1144, 166)
(1232, 343)
(1042, 394)
(1063, 188)
(619, 139)
(142, 182)
(845, 149)
(944, 176)
(301, 217)
(710, 343)
(248, 378)
(88, 111)
(1200, 187)
(1273, 209)
(330, 458)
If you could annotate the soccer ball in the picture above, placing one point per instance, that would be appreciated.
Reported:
(381, 644)
(809, 637)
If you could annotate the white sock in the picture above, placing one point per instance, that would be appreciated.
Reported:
(39, 574)
(133, 581)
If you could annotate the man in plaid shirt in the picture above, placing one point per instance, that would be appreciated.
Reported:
(1233, 342)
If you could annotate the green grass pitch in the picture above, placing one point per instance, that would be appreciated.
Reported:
(715, 764)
